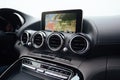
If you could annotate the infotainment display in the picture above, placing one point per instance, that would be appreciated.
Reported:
(62, 21)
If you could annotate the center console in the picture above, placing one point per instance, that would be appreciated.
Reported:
(28, 68)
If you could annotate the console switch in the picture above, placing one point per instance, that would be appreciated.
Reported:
(56, 75)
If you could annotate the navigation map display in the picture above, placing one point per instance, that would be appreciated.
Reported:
(65, 22)
(62, 21)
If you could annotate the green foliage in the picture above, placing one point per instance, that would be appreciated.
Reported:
(69, 16)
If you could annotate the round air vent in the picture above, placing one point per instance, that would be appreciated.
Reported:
(55, 41)
(25, 37)
(79, 44)
(38, 39)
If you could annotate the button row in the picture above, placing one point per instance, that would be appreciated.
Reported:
(40, 70)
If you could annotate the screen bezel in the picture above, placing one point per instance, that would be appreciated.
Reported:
(79, 18)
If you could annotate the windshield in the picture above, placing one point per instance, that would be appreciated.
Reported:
(89, 7)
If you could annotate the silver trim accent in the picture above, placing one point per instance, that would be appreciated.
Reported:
(27, 66)
(20, 17)
(61, 39)
(28, 38)
(80, 51)
(40, 70)
(56, 75)
(42, 34)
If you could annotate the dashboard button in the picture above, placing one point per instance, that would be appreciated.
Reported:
(40, 70)
(56, 75)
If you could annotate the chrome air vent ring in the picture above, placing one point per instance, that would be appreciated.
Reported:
(55, 41)
(25, 37)
(38, 39)
(79, 44)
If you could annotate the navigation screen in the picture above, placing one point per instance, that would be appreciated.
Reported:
(61, 22)
(69, 21)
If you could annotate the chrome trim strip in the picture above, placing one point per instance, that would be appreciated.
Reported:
(27, 66)
(56, 75)
(40, 70)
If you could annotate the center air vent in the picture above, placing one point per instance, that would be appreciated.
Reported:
(55, 41)
(38, 39)
(25, 38)
(79, 44)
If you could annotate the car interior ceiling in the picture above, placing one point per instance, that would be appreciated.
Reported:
(63, 45)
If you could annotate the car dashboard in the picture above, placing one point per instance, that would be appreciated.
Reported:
(89, 53)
